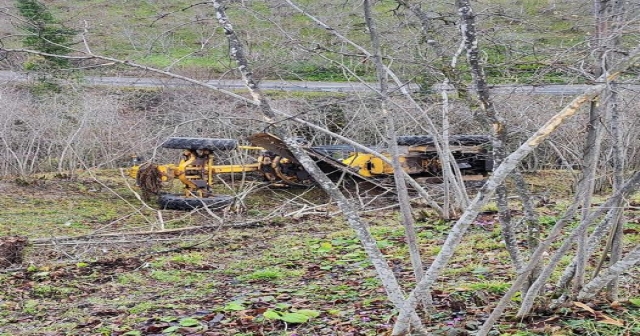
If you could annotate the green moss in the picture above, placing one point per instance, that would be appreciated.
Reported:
(270, 274)
(492, 286)
(177, 277)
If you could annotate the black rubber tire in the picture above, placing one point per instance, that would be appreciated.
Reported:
(461, 140)
(337, 152)
(201, 143)
(178, 202)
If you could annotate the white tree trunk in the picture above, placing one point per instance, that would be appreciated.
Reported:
(385, 274)
(629, 187)
(616, 17)
(619, 150)
(532, 221)
(499, 174)
(586, 186)
(401, 187)
(491, 118)
(613, 272)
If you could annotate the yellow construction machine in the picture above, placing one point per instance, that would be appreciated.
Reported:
(196, 170)
(276, 164)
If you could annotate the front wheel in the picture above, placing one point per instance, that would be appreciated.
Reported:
(176, 202)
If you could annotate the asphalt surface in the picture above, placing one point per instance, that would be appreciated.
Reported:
(303, 86)
(229, 84)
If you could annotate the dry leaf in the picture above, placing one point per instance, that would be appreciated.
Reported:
(584, 306)
(608, 320)
(617, 305)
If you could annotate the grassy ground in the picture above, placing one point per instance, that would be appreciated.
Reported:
(299, 275)
(520, 40)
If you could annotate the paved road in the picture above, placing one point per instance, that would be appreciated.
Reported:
(230, 84)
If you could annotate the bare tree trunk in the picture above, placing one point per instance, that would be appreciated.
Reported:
(452, 175)
(628, 188)
(500, 173)
(532, 221)
(619, 150)
(385, 273)
(401, 187)
(613, 272)
(535, 288)
(586, 187)
(605, 41)
(497, 125)
(616, 17)
(592, 244)
(527, 301)
(608, 20)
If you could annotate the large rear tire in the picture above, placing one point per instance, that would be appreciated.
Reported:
(201, 143)
(177, 202)
(456, 140)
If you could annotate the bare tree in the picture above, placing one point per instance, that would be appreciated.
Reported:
(394, 99)
(385, 273)
(614, 16)
(496, 123)
(499, 174)
(401, 187)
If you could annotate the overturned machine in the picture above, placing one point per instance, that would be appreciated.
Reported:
(276, 164)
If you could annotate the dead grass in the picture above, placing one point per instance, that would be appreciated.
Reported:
(224, 285)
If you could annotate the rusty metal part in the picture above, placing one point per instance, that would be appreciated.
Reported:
(277, 162)
(272, 144)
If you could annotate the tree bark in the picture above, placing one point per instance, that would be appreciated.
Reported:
(629, 187)
(613, 272)
(592, 244)
(491, 118)
(532, 221)
(619, 149)
(361, 229)
(401, 187)
(499, 174)
(616, 15)
(586, 187)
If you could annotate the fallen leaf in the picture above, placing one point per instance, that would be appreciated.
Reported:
(156, 327)
(213, 318)
(584, 306)
(551, 319)
(617, 305)
(608, 320)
